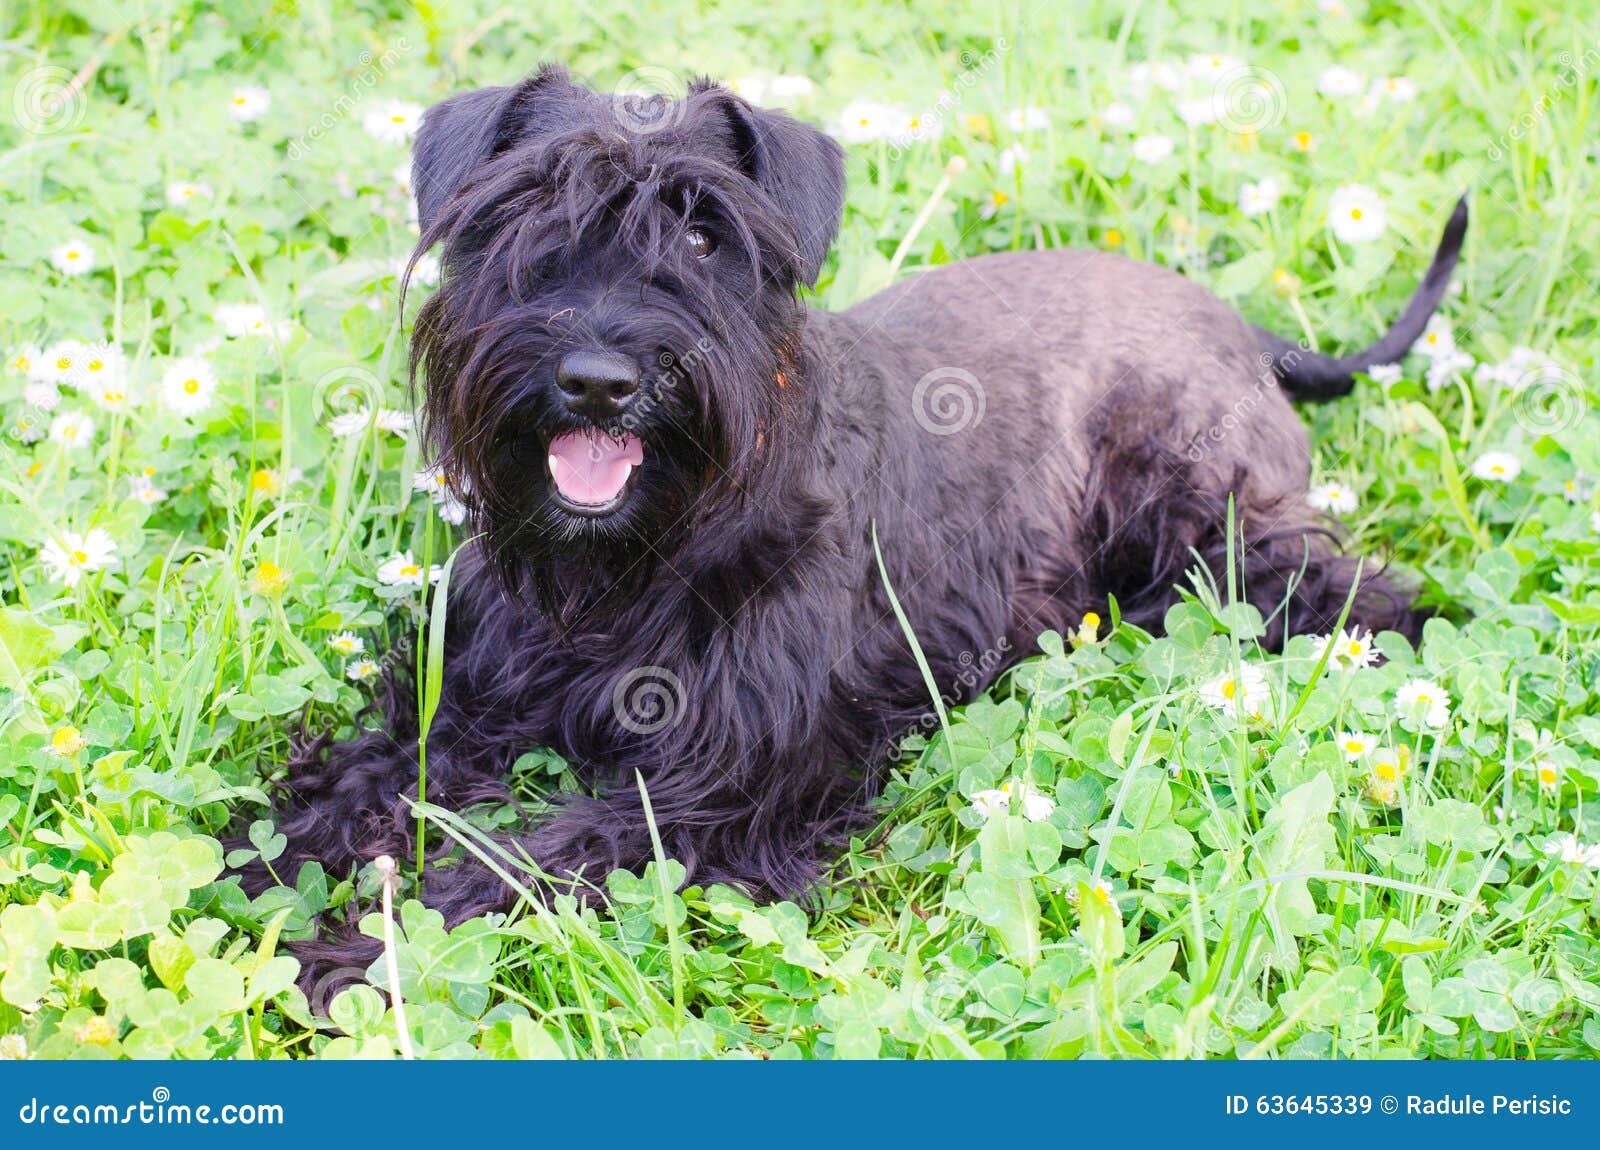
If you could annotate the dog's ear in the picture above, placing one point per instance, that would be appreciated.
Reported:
(799, 168)
(462, 132)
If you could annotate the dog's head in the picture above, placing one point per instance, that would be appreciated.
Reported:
(607, 346)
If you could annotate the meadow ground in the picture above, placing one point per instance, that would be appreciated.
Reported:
(206, 477)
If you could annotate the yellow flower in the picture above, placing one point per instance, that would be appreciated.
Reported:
(266, 482)
(269, 579)
(66, 742)
(1303, 142)
(1391, 764)
(1285, 283)
(97, 1031)
(1112, 238)
(978, 124)
(34, 468)
(1088, 631)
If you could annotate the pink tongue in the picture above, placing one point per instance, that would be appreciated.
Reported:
(591, 467)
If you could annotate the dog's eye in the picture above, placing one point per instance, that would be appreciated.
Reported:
(700, 243)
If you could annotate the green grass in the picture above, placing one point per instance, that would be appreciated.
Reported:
(1204, 884)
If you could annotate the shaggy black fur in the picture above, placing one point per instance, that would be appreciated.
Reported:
(1112, 408)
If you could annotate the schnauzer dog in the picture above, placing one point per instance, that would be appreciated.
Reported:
(677, 472)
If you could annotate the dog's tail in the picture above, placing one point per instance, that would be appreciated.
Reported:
(1312, 375)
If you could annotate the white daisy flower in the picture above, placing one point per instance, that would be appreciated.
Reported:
(752, 88)
(361, 670)
(1438, 338)
(1156, 74)
(1351, 650)
(72, 429)
(182, 193)
(785, 89)
(1355, 746)
(1036, 807)
(401, 570)
(1497, 466)
(41, 396)
(1400, 89)
(394, 121)
(426, 271)
(1011, 158)
(394, 422)
(402, 177)
(72, 556)
(348, 423)
(1198, 113)
(347, 643)
(1445, 366)
(439, 486)
(143, 490)
(1569, 850)
(1245, 689)
(1334, 497)
(1152, 149)
(1548, 774)
(1213, 66)
(25, 430)
(188, 385)
(1522, 368)
(24, 360)
(13, 1048)
(239, 319)
(1339, 82)
(73, 258)
(1356, 214)
(111, 395)
(1594, 521)
(62, 363)
(249, 103)
(1422, 703)
(1029, 119)
(1260, 198)
(1117, 115)
(1388, 374)
(866, 122)
(103, 376)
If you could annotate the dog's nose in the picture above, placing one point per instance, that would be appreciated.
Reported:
(598, 384)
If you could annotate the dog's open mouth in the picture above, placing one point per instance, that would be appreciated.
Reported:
(589, 469)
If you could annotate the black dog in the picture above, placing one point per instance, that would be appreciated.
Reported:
(676, 471)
